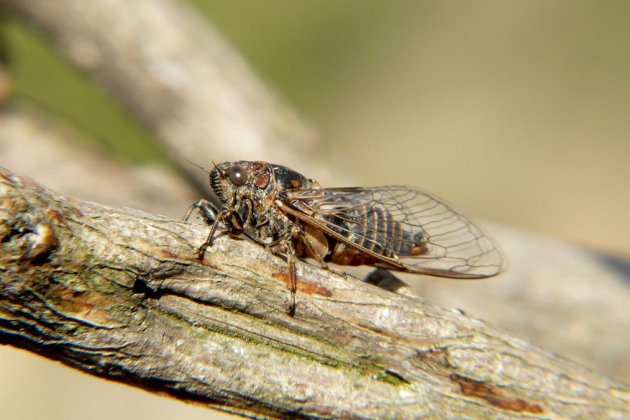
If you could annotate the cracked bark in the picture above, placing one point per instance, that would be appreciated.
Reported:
(119, 293)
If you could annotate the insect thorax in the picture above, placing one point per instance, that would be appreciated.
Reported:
(248, 190)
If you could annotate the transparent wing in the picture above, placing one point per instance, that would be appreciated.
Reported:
(401, 228)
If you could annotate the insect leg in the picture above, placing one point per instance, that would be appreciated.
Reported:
(212, 216)
(384, 279)
(208, 211)
(316, 247)
(208, 243)
(289, 250)
(245, 206)
(299, 234)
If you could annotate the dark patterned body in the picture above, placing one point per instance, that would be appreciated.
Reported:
(396, 227)
(372, 228)
(248, 191)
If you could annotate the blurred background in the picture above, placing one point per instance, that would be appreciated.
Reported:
(515, 112)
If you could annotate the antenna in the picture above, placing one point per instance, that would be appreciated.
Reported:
(201, 167)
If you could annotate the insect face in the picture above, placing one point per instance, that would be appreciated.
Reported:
(225, 180)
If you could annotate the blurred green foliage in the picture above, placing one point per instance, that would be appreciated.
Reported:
(41, 76)
(301, 48)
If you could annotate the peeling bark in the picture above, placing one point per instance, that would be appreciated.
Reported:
(120, 294)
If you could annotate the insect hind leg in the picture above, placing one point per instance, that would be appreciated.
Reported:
(384, 279)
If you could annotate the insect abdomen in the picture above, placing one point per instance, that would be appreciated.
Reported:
(374, 228)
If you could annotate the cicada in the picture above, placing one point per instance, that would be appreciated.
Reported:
(396, 227)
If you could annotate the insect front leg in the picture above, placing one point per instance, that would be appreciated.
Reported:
(208, 243)
(207, 210)
(212, 216)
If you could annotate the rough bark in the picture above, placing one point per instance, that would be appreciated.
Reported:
(119, 293)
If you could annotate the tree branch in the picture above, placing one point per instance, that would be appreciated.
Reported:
(547, 295)
(119, 293)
